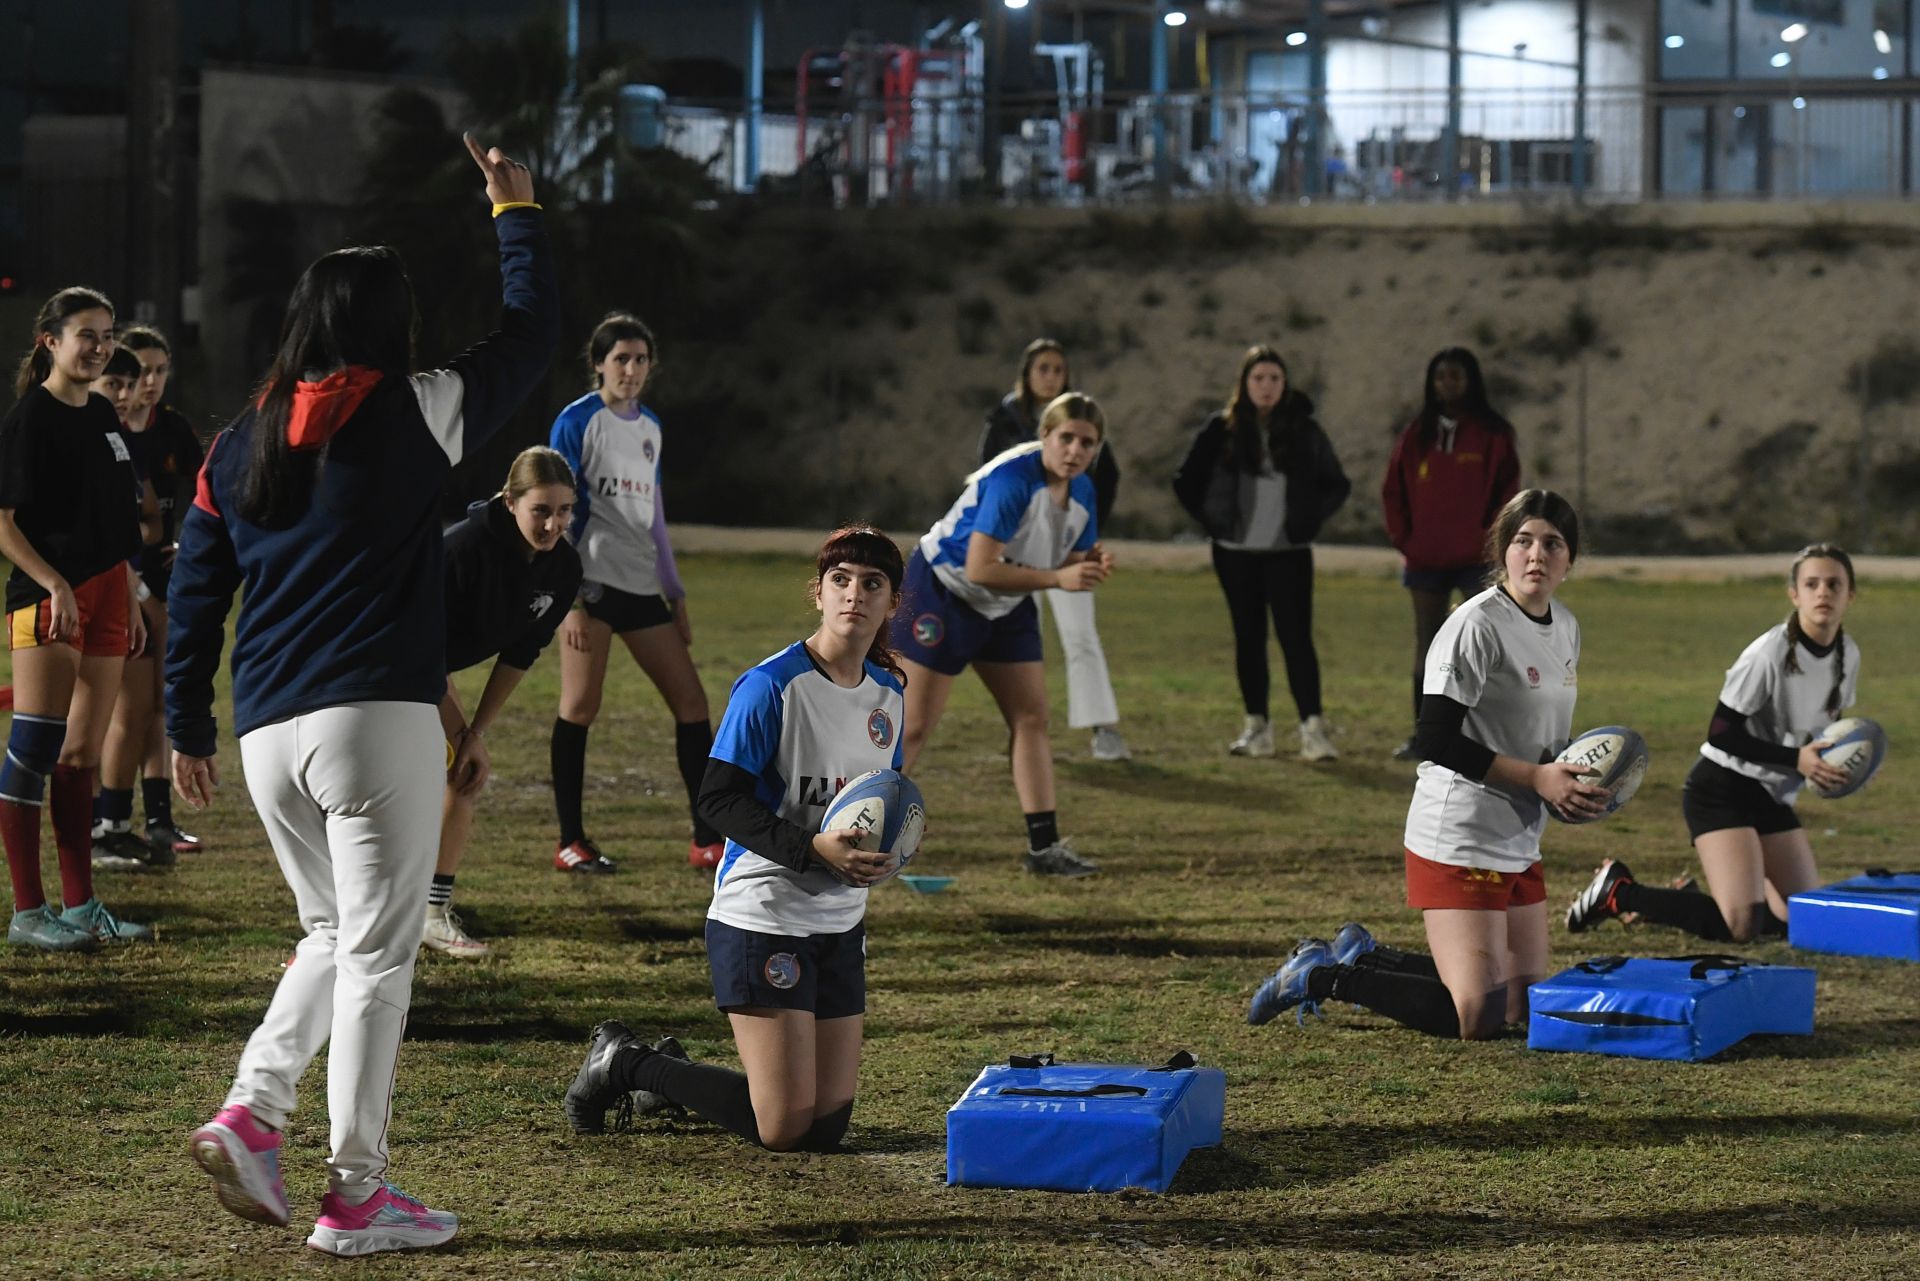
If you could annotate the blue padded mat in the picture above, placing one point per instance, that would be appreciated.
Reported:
(1877, 914)
(1082, 1127)
(1689, 1007)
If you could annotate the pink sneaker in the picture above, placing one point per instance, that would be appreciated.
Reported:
(243, 1158)
(387, 1220)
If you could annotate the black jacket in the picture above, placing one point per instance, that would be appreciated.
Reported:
(1208, 482)
(1008, 425)
(498, 601)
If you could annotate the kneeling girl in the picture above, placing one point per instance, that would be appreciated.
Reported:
(785, 938)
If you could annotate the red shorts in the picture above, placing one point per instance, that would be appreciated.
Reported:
(1472, 889)
(103, 618)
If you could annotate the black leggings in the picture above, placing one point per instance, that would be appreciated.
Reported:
(1281, 583)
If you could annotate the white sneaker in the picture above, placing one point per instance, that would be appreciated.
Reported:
(1315, 743)
(1255, 740)
(444, 933)
(1108, 745)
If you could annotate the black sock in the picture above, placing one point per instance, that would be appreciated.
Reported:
(156, 798)
(568, 753)
(692, 741)
(114, 805)
(1419, 1002)
(1766, 925)
(716, 1093)
(825, 1133)
(1392, 960)
(1688, 910)
(441, 892)
(1043, 829)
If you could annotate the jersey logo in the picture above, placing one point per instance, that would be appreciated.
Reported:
(646, 450)
(880, 728)
(929, 630)
(782, 970)
(542, 602)
(818, 791)
(1533, 677)
(617, 486)
(119, 446)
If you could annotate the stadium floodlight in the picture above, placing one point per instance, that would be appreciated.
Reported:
(1799, 104)
(1015, 4)
(1794, 34)
(1296, 38)
(1781, 59)
(1175, 18)
(1882, 41)
(1676, 42)
(1880, 73)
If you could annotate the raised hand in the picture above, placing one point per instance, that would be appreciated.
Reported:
(508, 181)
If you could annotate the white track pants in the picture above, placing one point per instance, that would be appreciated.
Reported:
(350, 797)
(1090, 700)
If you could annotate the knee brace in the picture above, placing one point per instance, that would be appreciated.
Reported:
(33, 747)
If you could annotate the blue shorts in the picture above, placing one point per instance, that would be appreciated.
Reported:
(824, 974)
(1469, 580)
(937, 631)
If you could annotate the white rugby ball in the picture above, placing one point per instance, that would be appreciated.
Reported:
(1616, 759)
(1859, 745)
(887, 806)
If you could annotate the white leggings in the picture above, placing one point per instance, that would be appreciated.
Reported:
(350, 797)
(1090, 700)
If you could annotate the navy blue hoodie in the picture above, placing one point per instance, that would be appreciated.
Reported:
(345, 605)
(499, 599)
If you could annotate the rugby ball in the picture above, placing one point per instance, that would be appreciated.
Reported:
(887, 806)
(1859, 745)
(1616, 759)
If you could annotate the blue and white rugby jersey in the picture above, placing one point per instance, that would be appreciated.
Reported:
(804, 737)
(1007, 500)
(616, 466)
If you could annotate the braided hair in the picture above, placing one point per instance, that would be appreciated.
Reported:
(1820, 551)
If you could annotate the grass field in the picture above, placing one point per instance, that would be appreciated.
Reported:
(1353, 1147)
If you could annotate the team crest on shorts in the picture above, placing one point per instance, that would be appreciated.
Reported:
(782, 970)
(880, 728)
(929, 630)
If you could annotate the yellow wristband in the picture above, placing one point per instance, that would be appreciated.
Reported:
(515, 204)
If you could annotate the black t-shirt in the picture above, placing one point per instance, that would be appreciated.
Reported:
(498, 601)
(169, 455)
(72, 484)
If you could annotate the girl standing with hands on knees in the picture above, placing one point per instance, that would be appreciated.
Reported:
(1024, 523)
(632, 589)
(323, 498)
(786, 939)
(1502, 676)
(69, 522)
(1795, 679)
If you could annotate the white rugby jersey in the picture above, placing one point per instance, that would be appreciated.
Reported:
(616, 467)
(1518, 680)
(1780, 707)
(803, 737)
(1008, 501)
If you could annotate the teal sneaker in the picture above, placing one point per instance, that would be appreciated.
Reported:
(94, 917)
(39, 927)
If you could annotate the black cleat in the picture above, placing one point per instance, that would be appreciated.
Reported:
(593, 1090)
(1595, 903)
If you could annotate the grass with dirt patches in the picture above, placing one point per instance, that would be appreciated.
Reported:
(1352, 1146)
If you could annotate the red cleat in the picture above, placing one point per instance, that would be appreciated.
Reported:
(582, 856)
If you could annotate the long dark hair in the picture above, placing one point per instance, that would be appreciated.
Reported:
(351, 307)
(1521, 508)
(1475, 401)
(618, 327)
(862, 544)
(1023, 385)
(1243, 420)
(1820, 551)
(53, 317)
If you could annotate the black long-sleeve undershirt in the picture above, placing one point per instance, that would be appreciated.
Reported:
(1438, 738)
(728, 801)
(1729, 733)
